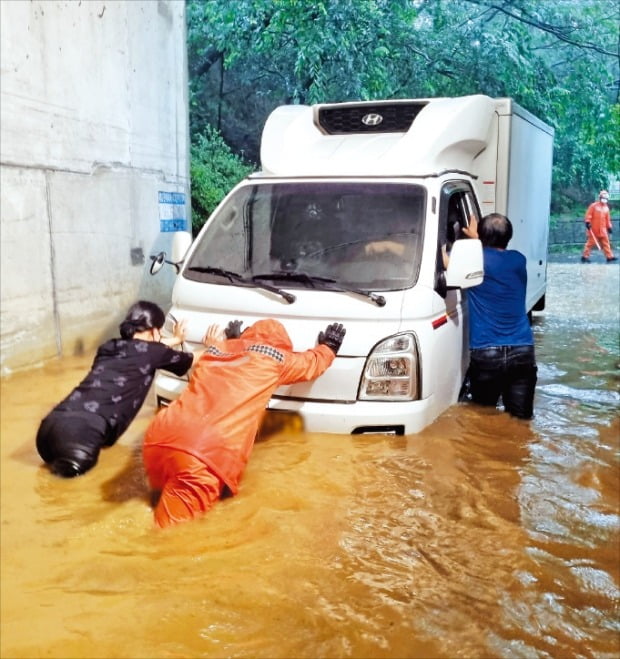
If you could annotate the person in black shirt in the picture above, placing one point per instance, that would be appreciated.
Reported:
(97, 412)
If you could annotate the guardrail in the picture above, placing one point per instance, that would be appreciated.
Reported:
(570, 232)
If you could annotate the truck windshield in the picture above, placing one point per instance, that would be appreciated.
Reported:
(361, 235)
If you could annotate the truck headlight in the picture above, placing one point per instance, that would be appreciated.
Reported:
(392, 370)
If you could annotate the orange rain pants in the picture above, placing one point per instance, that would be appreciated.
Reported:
(203, 440)
(187, 487)
(599, 217)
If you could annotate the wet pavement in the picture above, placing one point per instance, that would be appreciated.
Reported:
(482, 536)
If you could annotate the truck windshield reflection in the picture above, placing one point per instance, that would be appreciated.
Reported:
(330, 235)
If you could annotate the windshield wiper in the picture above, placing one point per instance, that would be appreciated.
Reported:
(326, 282)
(236, 277)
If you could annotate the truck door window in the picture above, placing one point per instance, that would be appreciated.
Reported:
(457, 205)
(470, 208)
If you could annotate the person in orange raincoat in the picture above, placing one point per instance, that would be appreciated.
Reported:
(598, 226)
(201, 443)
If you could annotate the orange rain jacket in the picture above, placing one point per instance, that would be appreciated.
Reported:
(599, 217)
(214, 422)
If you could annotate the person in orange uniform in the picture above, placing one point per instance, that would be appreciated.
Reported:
(200, 444)
(598, 228)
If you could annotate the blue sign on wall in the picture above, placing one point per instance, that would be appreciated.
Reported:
(172, 215)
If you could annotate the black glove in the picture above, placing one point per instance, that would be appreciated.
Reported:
(588, 226)
(332, 336)
(233, 330)
(609, 231)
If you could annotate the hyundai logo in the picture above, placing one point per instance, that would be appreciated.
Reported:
(372, 119)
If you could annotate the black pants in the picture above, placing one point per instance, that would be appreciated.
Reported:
(508, 372)
(70, 441)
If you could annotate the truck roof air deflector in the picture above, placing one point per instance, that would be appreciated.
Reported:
(351, 118)
(405, 137)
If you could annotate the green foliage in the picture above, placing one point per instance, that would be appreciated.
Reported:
(557, 58)
(214, 170)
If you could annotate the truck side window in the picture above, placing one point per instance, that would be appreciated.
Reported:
(457, 205)
(456, 209)
(452, 218)
(470, 208)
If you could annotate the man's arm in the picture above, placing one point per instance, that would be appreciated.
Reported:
(308, 365)
(470, 231)
(383, 246)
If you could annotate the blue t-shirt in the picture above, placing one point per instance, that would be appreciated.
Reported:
(497, 315)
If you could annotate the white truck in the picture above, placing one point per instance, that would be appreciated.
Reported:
(346, 222)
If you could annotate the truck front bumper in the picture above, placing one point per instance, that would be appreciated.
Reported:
(358, 417)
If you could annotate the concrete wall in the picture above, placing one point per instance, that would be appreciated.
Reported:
(94, 124)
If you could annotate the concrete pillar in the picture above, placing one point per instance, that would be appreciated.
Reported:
(94, 125)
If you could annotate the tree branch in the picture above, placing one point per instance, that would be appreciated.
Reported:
(557, 32)
(212, 56)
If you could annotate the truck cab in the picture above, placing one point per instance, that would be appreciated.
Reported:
(349, 220)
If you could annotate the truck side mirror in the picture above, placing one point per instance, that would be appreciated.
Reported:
(180, 244)
(158, 261)
(465, 268)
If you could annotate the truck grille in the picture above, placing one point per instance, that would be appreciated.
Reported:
(390, 117)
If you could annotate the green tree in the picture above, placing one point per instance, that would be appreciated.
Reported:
(261, 54)
(557, 58)
(214, 170)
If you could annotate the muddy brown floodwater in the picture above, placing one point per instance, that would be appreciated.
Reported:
(482, 536)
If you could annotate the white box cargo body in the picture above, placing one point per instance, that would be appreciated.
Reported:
(345, 222)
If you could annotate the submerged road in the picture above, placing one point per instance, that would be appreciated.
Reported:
(481, 536)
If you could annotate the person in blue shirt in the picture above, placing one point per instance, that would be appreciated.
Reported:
(502, 359)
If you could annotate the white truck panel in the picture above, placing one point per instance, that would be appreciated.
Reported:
(528, 196)
(447, 134)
